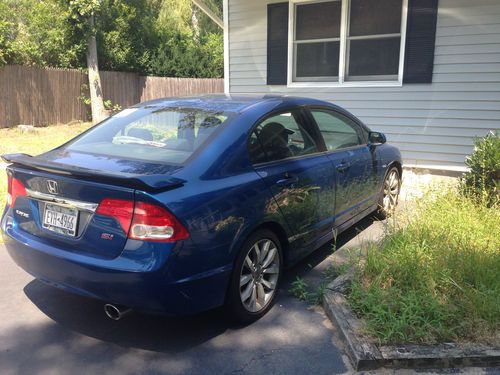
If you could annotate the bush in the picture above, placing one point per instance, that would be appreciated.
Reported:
(183, 56)
(482, 181)
(437, 278)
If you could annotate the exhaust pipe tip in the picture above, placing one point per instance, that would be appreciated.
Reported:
(116, 312)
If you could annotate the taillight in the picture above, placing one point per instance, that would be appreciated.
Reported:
(121, 210)
(144, 221)
(154, 223)
(15, 189)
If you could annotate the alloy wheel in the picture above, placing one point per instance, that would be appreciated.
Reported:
(259, 275)
(391, 191)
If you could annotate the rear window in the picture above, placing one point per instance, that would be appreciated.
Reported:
(164, 135)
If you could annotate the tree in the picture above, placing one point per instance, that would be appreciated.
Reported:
(212, 14)
(127, 34)
(179, 56)
(34, 32)
(194, 22)
(181, 51)
(84, 12)
(6, 29)
(156, 37)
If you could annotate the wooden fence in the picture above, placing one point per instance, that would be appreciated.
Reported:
(39, 96)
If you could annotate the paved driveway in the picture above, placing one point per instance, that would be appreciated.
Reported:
(47, 331)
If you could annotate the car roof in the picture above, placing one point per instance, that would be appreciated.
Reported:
(228, 103)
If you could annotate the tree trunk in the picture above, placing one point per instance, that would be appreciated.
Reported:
(96, 99)
(194, 22)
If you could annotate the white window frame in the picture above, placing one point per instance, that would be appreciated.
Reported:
(343, 58)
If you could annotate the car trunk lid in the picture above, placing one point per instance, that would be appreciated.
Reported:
(60, 202)
(150, 177)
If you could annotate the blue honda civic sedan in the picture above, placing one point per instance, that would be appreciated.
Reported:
(176, 206)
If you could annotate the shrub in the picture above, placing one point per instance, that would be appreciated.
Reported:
(482, 181)
(182, 56)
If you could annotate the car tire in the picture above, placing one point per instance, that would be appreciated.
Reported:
(389, 195)
(256, 277)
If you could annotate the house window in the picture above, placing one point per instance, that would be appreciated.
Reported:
(317, 41)
(347, 40)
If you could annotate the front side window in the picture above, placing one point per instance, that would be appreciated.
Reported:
(163, 135)
(361, 44)
(338, 131)
(280, 137)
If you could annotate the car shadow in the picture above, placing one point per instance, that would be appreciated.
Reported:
(159, 333)
(313, 265)
(149, 332)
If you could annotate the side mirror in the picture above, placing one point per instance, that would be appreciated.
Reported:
(376, 138)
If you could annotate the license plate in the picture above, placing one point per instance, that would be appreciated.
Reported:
(60, 219)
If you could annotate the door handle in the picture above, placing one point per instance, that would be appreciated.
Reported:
(343, 166)
(287, 180)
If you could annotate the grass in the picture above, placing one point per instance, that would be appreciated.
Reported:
(41, 140)
(436, 278)
(313, 294)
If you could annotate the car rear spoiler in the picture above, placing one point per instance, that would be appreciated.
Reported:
(153, 183)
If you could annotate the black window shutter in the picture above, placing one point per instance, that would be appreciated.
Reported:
(420, 41)
(277, 43)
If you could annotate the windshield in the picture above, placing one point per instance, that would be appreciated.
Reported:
(164, 135)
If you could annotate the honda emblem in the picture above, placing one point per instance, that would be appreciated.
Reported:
(52, 187)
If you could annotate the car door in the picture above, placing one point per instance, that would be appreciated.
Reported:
(286, 154)
(353, 160)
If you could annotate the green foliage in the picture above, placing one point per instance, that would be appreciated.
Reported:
(34, 32)
(436, 279)
(7, 28)
(313, 294)
(175, 17)
(146, 36)
(180, 56)
(482, 181)
(299, 289)
(127, 34)
(213, 51)
(84, 8)
(108, 104)
(156, 37)
(85, 98)
(206, 24)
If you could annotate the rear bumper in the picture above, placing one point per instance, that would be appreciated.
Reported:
(139, 278)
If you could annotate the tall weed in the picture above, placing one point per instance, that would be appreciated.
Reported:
(436, 278)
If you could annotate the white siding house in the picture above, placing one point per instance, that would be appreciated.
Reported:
(432, 123)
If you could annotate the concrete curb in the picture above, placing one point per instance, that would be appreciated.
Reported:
(365, 355)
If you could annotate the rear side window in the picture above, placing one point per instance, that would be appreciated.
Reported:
(164, 135)
(338, 130)
(280, 137)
